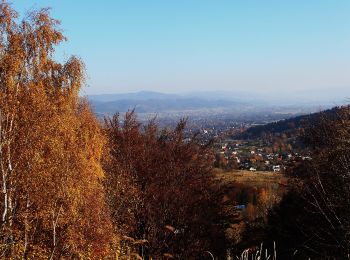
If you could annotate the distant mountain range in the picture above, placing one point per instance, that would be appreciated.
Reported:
(142, 95)
(194, 103)
(160, 103)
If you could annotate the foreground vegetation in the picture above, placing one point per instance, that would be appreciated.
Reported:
(73, 187)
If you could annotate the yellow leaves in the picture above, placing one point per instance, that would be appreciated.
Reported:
(56, 142)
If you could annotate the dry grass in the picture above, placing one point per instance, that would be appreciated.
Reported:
(258, 178)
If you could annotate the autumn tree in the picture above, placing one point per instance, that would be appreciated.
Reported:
(159, 188)
(52, 202)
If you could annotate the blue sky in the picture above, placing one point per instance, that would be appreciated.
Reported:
(261, 46)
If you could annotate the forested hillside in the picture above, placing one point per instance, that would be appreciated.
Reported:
(290, 126)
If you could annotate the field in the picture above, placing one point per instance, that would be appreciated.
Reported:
(246, 187)
(248, 178)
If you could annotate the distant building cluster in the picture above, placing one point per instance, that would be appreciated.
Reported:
(254, 156)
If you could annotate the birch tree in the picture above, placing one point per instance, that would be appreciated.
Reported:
(52, 202)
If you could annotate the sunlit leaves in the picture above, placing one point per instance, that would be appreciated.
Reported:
(51, 146)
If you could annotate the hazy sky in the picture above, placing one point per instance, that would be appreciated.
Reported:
(186, 45)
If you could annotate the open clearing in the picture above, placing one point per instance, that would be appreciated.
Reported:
(258, 178)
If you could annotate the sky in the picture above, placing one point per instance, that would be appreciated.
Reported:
(289, 47)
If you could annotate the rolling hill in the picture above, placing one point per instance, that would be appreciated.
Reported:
(289, 125)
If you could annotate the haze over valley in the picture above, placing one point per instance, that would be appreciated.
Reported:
(215, 104)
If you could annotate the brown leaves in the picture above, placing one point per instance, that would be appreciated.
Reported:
(158, 186)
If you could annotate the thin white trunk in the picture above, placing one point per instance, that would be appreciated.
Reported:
(6, 133)
(54, 225)
(4, 190)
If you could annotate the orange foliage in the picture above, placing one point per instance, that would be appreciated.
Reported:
(52, 203)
